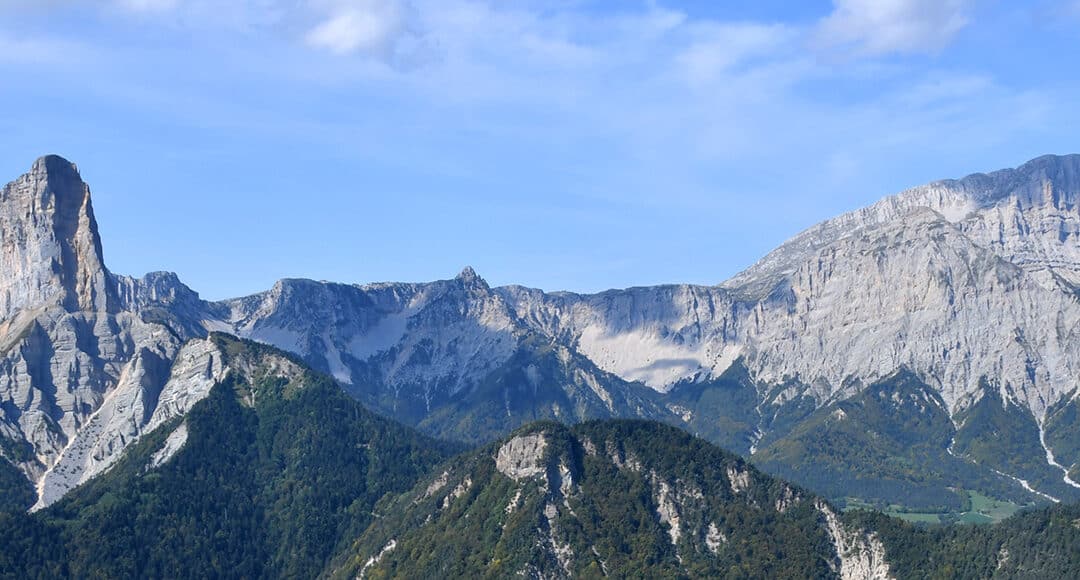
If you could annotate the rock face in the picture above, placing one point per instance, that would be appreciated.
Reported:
(959, 281)
(86, 358)
(923, 280)
(50, 251)
(522, 457)
(861, 554)
(435, 338)
(413, 351)
(134, 406)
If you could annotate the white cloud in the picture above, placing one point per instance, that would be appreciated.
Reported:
(369, 27)
(879, 27)
(380, 29)
(147, 5)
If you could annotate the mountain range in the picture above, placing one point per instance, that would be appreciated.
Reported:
(918, 356)
(905, 354)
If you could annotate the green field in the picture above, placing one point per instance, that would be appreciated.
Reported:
(990, 508)
(916, 517)
(983, 510)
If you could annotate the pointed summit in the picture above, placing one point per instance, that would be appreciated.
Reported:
(467, 273)
(51, 250)
(468, 276)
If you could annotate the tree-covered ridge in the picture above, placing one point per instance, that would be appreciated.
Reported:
(278, 470)
(618, 498)
(1035, 544)
(641, 499)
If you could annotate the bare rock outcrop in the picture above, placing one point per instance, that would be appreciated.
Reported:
(522, 457)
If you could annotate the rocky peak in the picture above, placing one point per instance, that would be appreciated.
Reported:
(159, 288)
(467, 274)
(162, 298)
(470, 279)
(50, 250)
(1048, 180)
(1027, 214)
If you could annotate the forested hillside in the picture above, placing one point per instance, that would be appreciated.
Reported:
(278, 468)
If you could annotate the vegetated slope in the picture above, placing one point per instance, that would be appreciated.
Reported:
(1036, 544)
(16, 493)
(263, 478)
(641, 499)
(618, 498)
(893, 444)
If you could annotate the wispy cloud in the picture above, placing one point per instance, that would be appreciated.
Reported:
(373, 28)
(147, 5)
(384, 29)
(879, 27)
(717, 48)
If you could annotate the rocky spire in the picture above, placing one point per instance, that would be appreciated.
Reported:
(467, 274)
(470, 279)
(50, 250)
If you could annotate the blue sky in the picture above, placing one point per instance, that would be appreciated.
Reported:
(563, 145)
